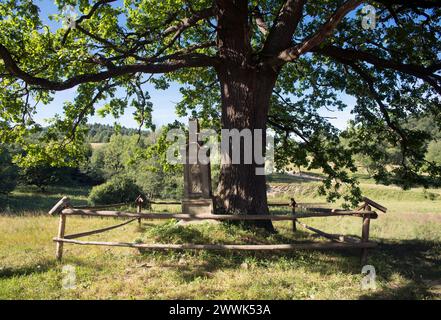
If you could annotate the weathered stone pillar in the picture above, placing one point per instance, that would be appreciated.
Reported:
(198, 196)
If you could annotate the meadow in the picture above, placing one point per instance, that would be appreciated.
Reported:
(407, 260)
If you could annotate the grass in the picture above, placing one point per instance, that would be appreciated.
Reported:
(29, 200)
(407, 262)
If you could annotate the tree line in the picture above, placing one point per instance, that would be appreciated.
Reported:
(126, 163)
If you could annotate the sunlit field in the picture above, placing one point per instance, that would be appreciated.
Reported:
(407, 261)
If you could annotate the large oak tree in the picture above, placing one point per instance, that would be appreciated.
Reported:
(251, 64)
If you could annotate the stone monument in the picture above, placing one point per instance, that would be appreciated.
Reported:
(198, 197)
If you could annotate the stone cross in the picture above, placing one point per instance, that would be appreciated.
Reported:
(197, 178)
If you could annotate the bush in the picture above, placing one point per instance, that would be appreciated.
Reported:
(173, 187)
(434, 152)
(40, 175)
(126, 156)
(117, 190)
(8, 172)
(158, 184)
(92, 169)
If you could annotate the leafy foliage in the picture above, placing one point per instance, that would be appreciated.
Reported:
(434, 152)
(40, 175)
(119, 189)
(391, 71)
(8, 171)
(385, 160)
(101, 133)
(125, 155)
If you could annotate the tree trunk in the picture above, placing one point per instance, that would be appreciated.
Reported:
(245, 92)
(246, 96)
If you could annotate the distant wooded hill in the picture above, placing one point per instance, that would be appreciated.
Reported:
(101, 133)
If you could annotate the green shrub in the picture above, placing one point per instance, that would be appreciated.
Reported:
(8, 172)
(40, 175)
(434, 152)
(117, 190)
(93, 167)
(157, 184)
(125, 155)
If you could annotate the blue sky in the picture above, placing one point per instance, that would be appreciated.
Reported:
(163, 100)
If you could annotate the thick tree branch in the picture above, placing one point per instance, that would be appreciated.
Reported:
(384, 111)
(187, 50)
(326, 29)
(183, 25)
(285, 25)
(424, 73)
(260, 21)
(233, 30)
(189, 22)
(184, 61)
(424, 4)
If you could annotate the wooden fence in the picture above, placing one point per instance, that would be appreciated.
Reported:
(65, 209)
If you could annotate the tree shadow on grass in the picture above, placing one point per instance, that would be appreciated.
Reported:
(23, 203)
(415, 262)
(418, 262)
(48, 264)
(33, 201)
(36, 268)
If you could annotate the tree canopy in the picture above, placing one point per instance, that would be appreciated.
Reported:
(318, 49)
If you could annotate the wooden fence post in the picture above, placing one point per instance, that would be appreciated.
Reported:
(62, 204)
(61, 229)
(365, 234)
(58, 209)
(293, 211)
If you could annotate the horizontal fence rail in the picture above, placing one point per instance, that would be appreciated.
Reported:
(161, 246)
(89, 233)
(165, 202)
(181, 216)
(159, 202)
(104, 206)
